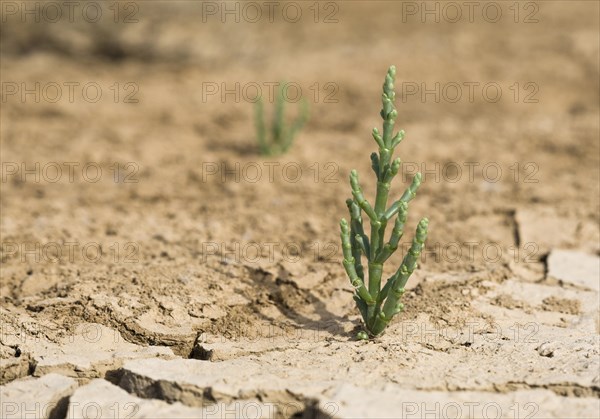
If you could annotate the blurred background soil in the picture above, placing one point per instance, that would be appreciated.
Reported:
(200, 234)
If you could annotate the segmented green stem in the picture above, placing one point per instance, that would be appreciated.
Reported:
(377, 306)
(360, 198)
(392, 245)
(392, 305)
(355, 280)
(407, 196)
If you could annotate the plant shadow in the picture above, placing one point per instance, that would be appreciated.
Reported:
(327, 322)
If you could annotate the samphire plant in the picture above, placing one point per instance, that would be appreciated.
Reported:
(379, 305)
(280, 136)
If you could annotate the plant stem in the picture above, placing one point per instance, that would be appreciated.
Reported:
(392, 305)
(376, 305)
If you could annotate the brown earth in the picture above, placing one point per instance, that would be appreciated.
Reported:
(202, 253)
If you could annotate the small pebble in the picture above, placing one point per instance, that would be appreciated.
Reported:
(545, 350)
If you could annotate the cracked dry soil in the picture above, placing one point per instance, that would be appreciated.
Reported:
(178, 284)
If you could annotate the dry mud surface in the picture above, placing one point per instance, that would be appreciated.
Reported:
(173, 272)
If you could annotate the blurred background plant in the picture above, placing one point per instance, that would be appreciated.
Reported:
(280, 136)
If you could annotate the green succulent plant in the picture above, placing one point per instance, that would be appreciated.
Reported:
(280, 136)
(379, 305)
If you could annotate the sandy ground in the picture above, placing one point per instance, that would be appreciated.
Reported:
(154, 265)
